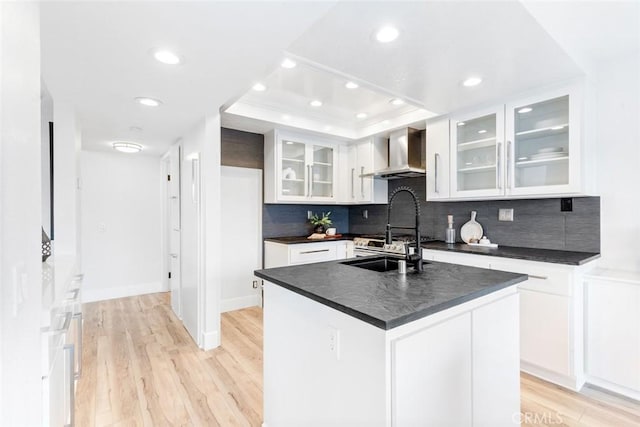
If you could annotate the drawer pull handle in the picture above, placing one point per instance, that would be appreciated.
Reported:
(533, 276)
(313, 252)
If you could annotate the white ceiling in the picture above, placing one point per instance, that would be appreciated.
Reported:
(95, 55)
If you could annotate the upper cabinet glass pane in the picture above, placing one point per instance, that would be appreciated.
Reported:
(476, 153)
(322, 172)
(541, 141)
(293, 169)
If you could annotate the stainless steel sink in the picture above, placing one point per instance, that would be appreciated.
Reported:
(379, 264)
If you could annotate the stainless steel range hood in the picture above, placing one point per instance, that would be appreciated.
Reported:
(406, 155)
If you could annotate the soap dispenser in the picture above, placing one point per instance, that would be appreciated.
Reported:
(450, 232)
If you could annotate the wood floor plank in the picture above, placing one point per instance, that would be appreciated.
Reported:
(141, 368)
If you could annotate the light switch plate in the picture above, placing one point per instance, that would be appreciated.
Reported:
(505, 214)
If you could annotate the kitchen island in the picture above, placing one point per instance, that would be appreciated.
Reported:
(348, 346)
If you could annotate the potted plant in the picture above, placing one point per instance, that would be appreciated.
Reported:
(320, 222)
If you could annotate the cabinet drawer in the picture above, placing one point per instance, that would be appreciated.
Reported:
(541, 279)
(457, 258)
(312, 252)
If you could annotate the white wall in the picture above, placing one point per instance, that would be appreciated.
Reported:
(201, 250)
(618, 161)
(20, 215)
(121, 225)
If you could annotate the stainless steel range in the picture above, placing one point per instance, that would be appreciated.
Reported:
(375, 245)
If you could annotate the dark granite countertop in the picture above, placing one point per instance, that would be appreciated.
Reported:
(388, 300)
(529, 254)
(289, 240)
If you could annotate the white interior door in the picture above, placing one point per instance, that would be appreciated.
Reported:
(173, 204)
(241, 195)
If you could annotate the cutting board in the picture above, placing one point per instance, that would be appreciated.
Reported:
(471, 230)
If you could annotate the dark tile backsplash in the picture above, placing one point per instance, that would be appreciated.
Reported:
(291, 220)
(537, 223)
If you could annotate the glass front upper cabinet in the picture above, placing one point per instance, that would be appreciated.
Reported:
(477, 154)
(541, 148)
(294, 169)
(321, 172)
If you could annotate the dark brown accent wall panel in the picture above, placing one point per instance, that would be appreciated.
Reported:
(242, 149)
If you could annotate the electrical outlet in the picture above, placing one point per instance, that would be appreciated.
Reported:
(255, 284)
(309, 214)
(566, 205)
(334, 342)
(365, 214)
(505, 214)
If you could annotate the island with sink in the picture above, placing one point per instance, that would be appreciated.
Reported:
(358, 342)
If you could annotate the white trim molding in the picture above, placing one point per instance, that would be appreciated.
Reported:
(91, 295)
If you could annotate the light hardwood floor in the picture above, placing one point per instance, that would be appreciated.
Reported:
(141, 368)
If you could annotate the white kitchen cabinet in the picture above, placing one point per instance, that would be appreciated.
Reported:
(530, 147)
(437, 135)
(551, 314)
(543, 144)
(613, 331)
(363, 158)
(299, 169)
(281, 254)
(477, 153)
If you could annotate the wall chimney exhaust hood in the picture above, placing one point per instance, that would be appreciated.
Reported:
(406, 155)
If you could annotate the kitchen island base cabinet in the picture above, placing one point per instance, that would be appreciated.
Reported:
(456, 367)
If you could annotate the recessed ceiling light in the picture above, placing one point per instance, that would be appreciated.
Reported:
(316, 103)
(472, 81)
(482, 131)
(259, 87)
(396, 101)
(166, 57)
(149, 102)
(127, 147)
(286, 117)
(361, 115)
(387, 34)
(461, 123)
(525, 110)
(351, 85)
(288, 63)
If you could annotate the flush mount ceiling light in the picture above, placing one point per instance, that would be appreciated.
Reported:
(259, 87)
(525, 110)
(472, 81)
(387, 34)
(166, 57)
(127, 147)
(396, 101)
(288, 63)
(361, 115)
(316, 103)
(149, 102)
(461, 123)
(351, 85)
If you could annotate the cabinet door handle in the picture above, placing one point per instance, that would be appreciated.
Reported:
(72, 392)
(509, 172)
(314, 252)
(78, 317)
(353, 192)
(499, 166)
(533, 276)
(435, 181)
(362, 182)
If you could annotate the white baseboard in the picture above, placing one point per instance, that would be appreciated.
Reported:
(91, 295)
(231, 304)
(615, 388)
(210, 340)
(570, 382)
